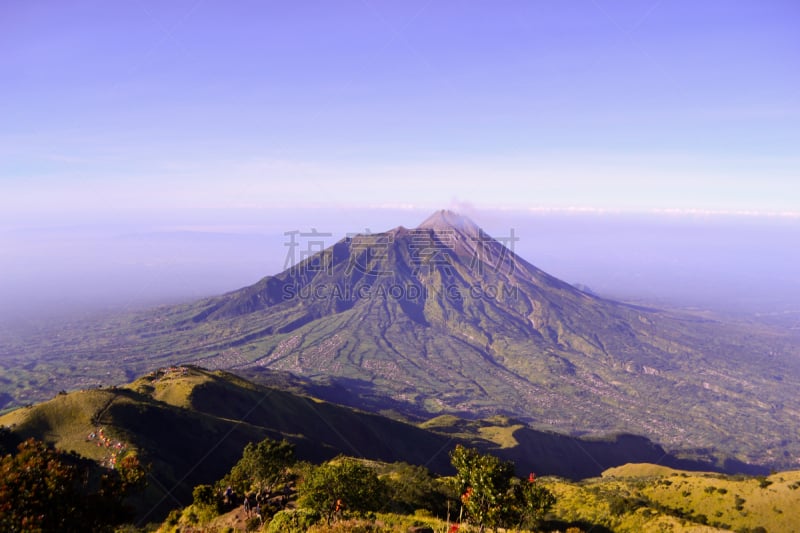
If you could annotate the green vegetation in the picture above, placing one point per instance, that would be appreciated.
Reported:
(191, 422)
(414, 489)
(43, 489)
(199, 444)
(350, 495)
(650, 498)
(263, 467)
(292, 521)
(342, 487)
(490, 494)
(346, 494)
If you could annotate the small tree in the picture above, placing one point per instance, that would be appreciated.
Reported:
(204, 495)
(131, 472)
(205, 504)
(532, 500)
(342, 485)
(263, 466)
(490, 493)
(484, 482)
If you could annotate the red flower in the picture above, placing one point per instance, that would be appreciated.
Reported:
(531, 477)
(453, 528)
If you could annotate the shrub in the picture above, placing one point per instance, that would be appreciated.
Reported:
(620, 505)
(173, 517)
(204, 495)
(293, 521)
(342, 486)
(739, 502)
(490, 493)
(263, 466)
(413, 488)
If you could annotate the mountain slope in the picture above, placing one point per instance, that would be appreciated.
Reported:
(445, 319)
(191, 425)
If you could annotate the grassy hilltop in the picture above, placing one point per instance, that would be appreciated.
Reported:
(645, 497)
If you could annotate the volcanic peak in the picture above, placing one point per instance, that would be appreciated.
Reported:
(445, 220)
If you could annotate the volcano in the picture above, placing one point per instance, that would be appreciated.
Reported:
(444, 318)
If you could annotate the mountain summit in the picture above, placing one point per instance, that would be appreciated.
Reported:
(445, 220)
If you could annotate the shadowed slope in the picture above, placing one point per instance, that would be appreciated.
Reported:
(190, 425)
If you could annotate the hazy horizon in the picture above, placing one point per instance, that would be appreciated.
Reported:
(733, 264)
(152, 152)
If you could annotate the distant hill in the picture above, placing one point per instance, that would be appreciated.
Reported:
(444, 319)
(191, 425)
(646, 497)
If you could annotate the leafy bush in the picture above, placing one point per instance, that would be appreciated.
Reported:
(263, 466)
(293, 521)
(490, 493)
(173, 518)
(413, 488)
(342, 486)
(204, 495)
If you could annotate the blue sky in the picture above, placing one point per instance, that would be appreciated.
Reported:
(161, 149)
(620, 105)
